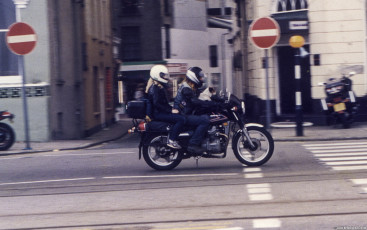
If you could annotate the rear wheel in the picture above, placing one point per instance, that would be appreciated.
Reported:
(159, 156)
(7, 136)
(257, 155)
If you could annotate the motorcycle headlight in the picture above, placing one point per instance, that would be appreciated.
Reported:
(243, 107)
(335, 89)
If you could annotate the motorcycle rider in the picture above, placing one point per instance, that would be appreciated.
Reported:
(187, 101)
(162, 111)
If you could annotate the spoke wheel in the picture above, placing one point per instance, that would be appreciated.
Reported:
(159, 156)
(259, 153)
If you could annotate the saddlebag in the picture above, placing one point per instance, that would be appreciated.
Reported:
(139, 109)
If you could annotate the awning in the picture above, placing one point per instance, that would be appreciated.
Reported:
(292, 22)
(138, 66)
(216, 22)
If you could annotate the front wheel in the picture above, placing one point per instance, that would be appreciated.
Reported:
(7, 137)
(261, 152)
(159, 156)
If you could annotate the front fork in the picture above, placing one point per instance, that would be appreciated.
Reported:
(245, 133)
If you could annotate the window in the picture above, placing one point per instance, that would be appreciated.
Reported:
(96, 99)
(166, 41)
(213, 56)
(218, 11)
(166, 8)
(130, 7)
(131, 46)
(289, 5)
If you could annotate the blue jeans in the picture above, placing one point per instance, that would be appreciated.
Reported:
(177, 120)
(201, 123)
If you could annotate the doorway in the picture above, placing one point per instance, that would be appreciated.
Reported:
(287, 82)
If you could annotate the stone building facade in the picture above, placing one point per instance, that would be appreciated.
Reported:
(335, 35)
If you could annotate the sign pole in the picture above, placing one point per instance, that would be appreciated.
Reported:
(264, 34)
(268, 115)
(24, 96)
(25, 105)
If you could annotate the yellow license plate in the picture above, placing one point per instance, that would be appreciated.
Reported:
(339, 107)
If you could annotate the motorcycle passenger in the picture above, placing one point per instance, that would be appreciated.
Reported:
(162, 111)
(187, 101)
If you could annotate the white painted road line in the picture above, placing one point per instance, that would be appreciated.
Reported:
(265, 185)
(341, 154)
(258, 190)
(267, 223)
(341, 168)
(252, 170)
(343, 158)
(163, 176)
(337, 147)
(87, 154)
(359, 181)
(338, 151)
(47, 181)
(260, 197)
(335, 144)
(346, 163)
(253, 175)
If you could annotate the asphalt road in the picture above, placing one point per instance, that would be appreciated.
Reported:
(306, 185)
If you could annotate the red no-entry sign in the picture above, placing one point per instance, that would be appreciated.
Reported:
(264, 33)
(21, 38)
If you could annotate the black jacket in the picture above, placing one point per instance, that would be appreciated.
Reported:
(158, 97)
(187, 101)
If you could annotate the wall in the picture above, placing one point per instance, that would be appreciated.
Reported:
(99, 112)
(36, 65)
(256, 73)
(191, 39)
(337, 33)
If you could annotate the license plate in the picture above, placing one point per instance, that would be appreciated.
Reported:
(339, 107)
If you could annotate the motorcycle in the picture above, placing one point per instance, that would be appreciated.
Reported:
(340, 104)
(252, 144)
(7, 135)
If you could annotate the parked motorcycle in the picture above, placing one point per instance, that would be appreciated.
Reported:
(252, 144)
(340, 104)
(7, 135)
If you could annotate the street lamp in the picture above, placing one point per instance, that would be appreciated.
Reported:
(297, 42)
(20, 4)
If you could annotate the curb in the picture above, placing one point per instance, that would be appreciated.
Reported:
(65, 149)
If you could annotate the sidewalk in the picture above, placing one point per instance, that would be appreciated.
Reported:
(114, 132)
(357, 131)
(312, 133)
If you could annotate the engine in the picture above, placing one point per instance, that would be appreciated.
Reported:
(216, 140)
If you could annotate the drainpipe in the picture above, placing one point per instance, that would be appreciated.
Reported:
(223, 44)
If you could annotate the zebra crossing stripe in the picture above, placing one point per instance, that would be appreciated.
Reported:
(359, 181)
(337, 151)
(343, 158)
(340, 154)
(342, 168)
(259, 192)
(335, 147)
(334, 144)
(346, 163)
(267, 223)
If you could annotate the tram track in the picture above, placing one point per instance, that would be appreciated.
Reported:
(113, 184)
(125, 214)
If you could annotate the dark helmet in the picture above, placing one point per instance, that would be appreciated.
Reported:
(196, 75)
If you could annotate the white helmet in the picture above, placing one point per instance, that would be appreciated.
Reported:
(159, 73)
